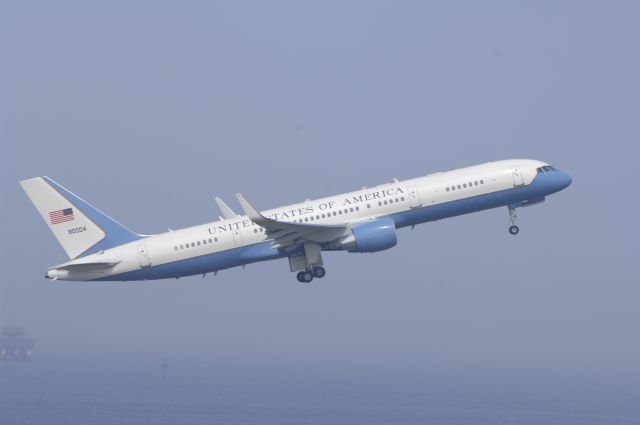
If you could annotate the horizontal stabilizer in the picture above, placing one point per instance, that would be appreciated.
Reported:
(94, 265)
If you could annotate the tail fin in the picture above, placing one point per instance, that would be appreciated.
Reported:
(80, 228)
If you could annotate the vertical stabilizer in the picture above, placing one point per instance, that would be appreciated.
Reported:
(80, 228)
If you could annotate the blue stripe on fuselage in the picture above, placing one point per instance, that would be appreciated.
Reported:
(205, 264)
(542, 185)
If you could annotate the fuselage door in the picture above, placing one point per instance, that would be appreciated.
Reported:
(518, 179)
(237, 237)
(414, 197)
(143, 256)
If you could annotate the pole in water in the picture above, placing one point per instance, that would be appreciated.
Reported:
(165, 365)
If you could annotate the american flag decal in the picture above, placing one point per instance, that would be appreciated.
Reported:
(61, 216)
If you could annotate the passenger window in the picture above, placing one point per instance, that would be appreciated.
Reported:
(402, 199)
(198, 243)
(323, 216)
(357, 208)
(346, 210)
(459, 187)
(391, 201)
(481, 181)
(193, 245)
(351, 209)
(210, 241)
(379, 203)
(464, 185)
(335, 213)
(368, 205)
(215, 239)
(311, 218)
(447, 189)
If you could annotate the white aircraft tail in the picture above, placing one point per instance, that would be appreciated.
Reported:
(80, 228)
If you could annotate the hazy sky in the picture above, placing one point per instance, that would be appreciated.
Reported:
(149, 109)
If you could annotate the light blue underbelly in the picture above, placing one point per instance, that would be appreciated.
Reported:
(540, 187)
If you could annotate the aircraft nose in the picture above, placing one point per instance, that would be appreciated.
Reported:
(564, 180)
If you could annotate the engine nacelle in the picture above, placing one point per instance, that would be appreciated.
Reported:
(374, 236)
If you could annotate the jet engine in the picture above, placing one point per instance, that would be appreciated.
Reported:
(373, 236)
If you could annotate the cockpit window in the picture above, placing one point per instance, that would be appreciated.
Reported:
(545, 169)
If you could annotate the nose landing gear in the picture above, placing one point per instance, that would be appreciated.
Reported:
(513, 229)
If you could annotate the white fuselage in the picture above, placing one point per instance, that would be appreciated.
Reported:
(398, 199)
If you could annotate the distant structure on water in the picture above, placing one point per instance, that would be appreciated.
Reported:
(14, 346)
(165, 365)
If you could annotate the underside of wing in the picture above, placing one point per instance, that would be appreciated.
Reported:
(289, 235)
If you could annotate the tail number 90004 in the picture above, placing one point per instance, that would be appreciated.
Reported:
(77, 230)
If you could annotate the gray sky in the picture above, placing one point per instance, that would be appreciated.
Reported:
(148, 110)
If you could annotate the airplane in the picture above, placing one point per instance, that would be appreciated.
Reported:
(363, 221)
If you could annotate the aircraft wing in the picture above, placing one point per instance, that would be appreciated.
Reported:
(224, 209)
(290, 235)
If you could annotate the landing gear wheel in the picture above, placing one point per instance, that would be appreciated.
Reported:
(319, 272)
(514, 230)
(307, 276)
(300, 277)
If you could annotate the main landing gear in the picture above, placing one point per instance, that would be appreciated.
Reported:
(308, 263)
(513, 229)
(307, 276)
